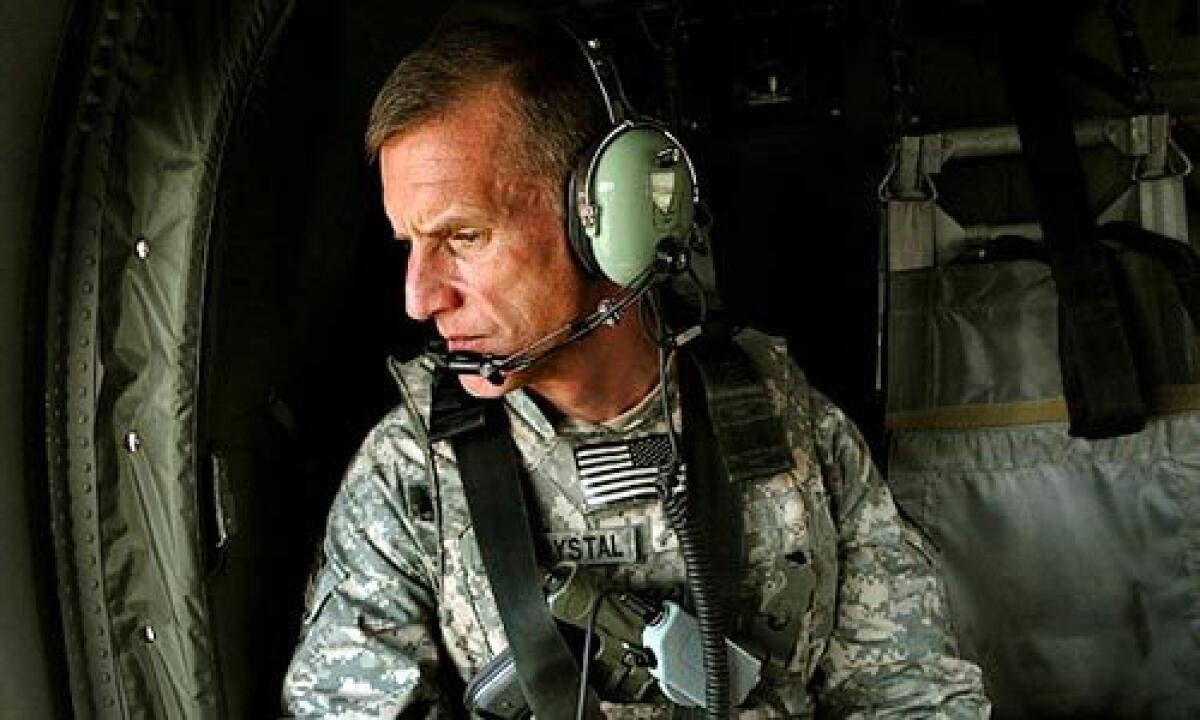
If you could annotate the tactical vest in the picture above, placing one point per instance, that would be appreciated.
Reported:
(632, 545)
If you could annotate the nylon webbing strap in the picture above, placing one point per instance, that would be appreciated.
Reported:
(710, 495)
(1104, 398)
(730, 434)
(1180, 259)
(489, 465)
(748, 432)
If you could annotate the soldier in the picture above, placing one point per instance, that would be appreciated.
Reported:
(476, 132)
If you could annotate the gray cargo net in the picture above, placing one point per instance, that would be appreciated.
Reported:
(1072, 564)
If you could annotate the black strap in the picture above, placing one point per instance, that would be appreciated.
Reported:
(489, 467)
(1132, 52)
(1104, 398)
(747, 429)
(711, 499)
(730, 434)
(1179, 258)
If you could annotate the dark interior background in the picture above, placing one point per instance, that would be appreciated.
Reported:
(305, 298)
(304, 284)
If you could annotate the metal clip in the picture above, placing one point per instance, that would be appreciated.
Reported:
(668, 157)
(611, 313)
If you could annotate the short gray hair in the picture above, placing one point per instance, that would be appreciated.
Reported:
(554, 98)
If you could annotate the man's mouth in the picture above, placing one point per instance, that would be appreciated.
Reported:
(465, 343)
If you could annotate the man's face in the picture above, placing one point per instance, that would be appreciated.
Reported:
(489, 263)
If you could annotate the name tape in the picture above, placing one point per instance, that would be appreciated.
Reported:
(604, 546)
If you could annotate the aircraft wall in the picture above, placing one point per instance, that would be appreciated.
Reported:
(31, 42)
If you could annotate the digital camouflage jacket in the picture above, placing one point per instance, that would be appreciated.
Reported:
(402, 590)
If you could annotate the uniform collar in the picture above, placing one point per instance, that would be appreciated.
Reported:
(644, 415)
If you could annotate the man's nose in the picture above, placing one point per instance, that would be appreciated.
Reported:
(427, 287)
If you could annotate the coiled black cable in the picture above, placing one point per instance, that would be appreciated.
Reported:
(693, 546)
(710, 612)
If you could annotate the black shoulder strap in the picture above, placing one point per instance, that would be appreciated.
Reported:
(731, 434)
(489, 467)
(1104, 397)
(747, 429)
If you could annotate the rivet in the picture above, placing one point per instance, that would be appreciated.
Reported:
(89, 259)
(142, 248)
(133, 441)
(148, 634)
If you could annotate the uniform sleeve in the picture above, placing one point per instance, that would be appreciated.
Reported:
(367, 648)
(892, 652)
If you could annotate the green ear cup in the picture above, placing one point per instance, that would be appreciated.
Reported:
(636, 189)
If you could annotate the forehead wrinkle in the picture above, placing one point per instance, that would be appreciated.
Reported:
(474, 154)
(429, 196)
(455, 215)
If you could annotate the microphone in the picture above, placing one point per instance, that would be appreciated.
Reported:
(495, 368)
(468, 363)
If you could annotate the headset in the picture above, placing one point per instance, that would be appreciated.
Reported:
(631, 190)
(631, 203)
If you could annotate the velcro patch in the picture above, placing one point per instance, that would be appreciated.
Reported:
(604, 546)
(622, 471)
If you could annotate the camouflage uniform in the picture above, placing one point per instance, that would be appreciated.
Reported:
(403, 586)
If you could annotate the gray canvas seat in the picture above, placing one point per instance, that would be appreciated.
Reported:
(1072, 564)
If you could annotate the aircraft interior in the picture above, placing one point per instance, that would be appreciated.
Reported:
(200, 292)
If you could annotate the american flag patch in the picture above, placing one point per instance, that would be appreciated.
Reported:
(622, 471)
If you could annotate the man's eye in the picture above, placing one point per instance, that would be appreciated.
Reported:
(467, 240)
